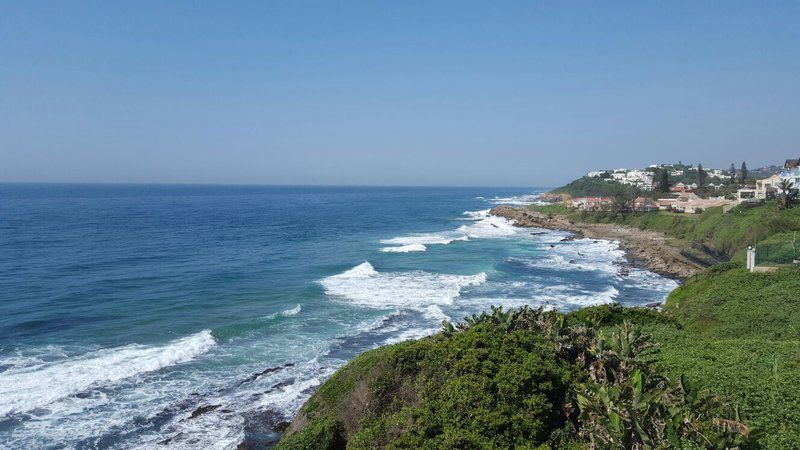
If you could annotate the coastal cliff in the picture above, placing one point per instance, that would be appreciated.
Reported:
(651, 249)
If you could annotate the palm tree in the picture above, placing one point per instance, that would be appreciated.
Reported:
(786, 186)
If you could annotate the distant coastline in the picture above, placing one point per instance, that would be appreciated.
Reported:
(651, 249)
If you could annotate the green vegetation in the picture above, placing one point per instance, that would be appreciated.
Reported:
(728, 232)
(595, 187)
(518, 379)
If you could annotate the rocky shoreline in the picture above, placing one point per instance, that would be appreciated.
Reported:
(651, 249)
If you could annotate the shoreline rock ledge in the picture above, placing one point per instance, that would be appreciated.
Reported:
(651, 249)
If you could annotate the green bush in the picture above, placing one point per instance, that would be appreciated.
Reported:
(509, 379)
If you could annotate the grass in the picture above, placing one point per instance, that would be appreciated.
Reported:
(758, 375)
(737, 304)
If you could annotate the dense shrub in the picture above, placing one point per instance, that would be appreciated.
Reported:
(516, 379)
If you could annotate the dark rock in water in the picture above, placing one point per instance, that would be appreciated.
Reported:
(281, 426)
(202, 410)
(595, 242)
(262, 429)
(494, 225)
(552, 245)
(168, 440)
(572, 261)
(84, 394)
(624, 272)
(280, 385)
(537, 233)
(254, 377)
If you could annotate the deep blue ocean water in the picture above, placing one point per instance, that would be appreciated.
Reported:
(125, 308)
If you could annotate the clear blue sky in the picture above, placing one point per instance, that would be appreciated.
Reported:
(409, 93)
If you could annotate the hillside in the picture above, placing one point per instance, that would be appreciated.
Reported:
(524, 379)
(718, 367)
(504, 383)
(594, 186)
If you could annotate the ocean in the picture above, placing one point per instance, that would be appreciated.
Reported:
(203, 316)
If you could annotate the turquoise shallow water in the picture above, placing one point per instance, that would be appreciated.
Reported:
(123, 309)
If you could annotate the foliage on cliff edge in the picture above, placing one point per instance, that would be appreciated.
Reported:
(517, 379)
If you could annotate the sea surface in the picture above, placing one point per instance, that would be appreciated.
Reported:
(203, 316)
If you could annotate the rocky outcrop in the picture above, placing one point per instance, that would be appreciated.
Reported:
(651, 249)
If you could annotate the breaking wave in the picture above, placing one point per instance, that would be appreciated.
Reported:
(37, 386)
(363, 285)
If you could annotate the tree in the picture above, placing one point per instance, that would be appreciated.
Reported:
(732, 173)
(786, 186)
(743, 172)
(623, 198)
(663, 183)
(701, 176)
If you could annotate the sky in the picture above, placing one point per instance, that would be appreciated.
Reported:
(465, 93)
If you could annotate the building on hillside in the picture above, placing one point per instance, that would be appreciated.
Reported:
(762, 190)
(766, 188)
(746, 194)
(681, 187)
(591, 203)
(690, 203)
(645, 204)
(791, 171)
(702, 204)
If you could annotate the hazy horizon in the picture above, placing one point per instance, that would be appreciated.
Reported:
(411, 94)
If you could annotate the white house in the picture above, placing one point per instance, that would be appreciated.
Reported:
(791, 171)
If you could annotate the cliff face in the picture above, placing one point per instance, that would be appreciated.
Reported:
(651, 249)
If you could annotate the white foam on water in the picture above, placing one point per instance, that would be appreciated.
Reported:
(38, 386)
(405, 248)
(561, 297)
(475, 305)
(485, 226)
(581, 255)
(281, 393)
(516, 200)
(644, 279)
(292, 312)
(489, 227)
(442, 238)
(564, 297)
(475, 215)
(364, 286)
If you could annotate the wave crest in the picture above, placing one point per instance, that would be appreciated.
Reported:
(37, 386)
(363, 285)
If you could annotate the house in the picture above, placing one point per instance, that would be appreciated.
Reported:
(746, 194)
(702, 204)
(791, 171)
(645, 204)
(690, 203)
(766, 188)
(665, 204)
(680, 187)
(590, 203)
